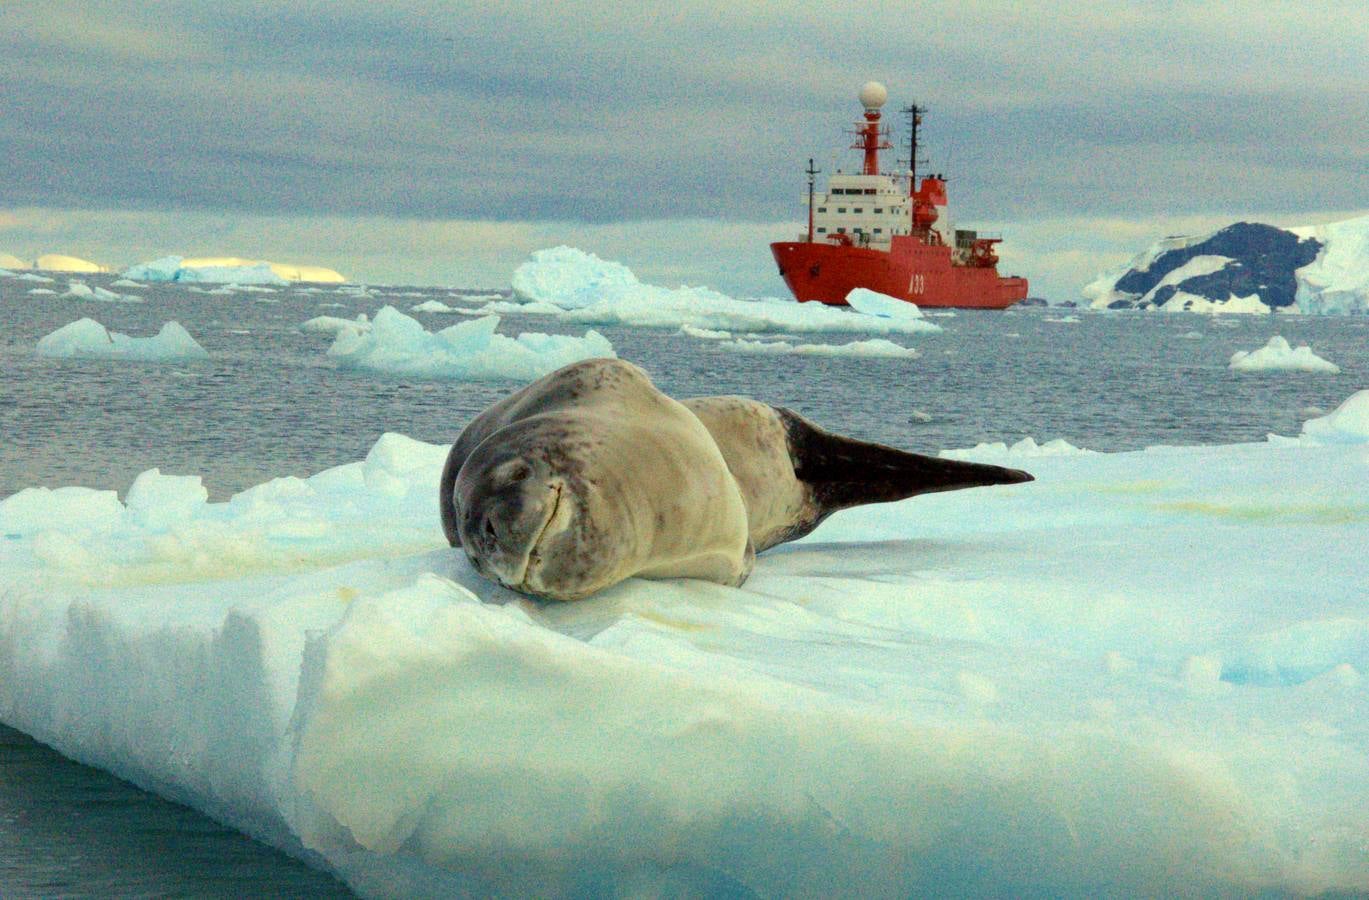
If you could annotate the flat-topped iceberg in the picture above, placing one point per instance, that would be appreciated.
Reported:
(583, 288)
(88, 338)
(1142, 674)
(1278, 356)
(229, 270)
(397, 344)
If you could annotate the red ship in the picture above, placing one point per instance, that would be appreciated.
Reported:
(888, 233)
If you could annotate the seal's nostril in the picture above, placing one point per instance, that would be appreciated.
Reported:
(489, 530)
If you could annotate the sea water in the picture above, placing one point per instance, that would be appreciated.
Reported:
(269, 402)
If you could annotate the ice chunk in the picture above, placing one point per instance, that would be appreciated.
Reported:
(156, 501)
(872, 303)
(88, 338)
(583, 288)
(874, 348)
(397, 344)
(79, 290)
(336, 325)
(1278, 356)
(1027, 448)
(1346, 424)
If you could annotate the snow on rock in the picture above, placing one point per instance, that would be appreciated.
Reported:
(1278, 356)
(88, 338)
(229, 270)
(873, 303)
(56, 262)
(583, 288)
(397, 344)
(1142, 674)
(1247, 268)
(79, 290)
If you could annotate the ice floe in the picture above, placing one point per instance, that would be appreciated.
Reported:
(88, 338)
(397, 344)
(1278, 356)
(1142, 674)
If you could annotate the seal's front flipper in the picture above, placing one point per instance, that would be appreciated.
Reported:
(843, 472)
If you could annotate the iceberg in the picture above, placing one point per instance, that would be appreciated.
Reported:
(336, 325)
(88, 338)
(397, 344)
(57, 262)
(1346, 424)
(1279, 356)
(79, 290)
(229, 270)
(9, 261)
(582, 288)
(1072, 687)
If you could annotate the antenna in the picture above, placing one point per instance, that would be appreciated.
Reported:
(812, 174)
(914, 114)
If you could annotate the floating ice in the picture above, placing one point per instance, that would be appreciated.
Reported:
(586, 289)
(1346, 424)
(472, 351)
(88, 338)
(79, 290)
(1278, 356)
(57, 262)
(872, 303)
(875, 347)
(9, 261)
(434, 306)
(335, 325)
(1027, 448)
(1142, 674)
(229, 269)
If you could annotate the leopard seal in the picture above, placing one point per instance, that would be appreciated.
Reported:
(588, 476)
(591, 475)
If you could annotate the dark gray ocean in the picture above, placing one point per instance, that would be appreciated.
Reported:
(268, 402)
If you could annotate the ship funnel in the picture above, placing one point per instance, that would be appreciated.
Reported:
(872, 95)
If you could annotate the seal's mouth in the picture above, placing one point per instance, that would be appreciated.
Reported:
(520, 582)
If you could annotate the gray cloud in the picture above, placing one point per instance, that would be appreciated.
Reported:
(579, 112)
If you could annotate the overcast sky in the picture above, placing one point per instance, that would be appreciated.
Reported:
(440, 142)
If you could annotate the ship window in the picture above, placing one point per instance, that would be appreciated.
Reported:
(879, 211)
(869, 190)
(822, 231)
(857, 210)
(822, 209)
(841, 231)
(879, 231)
(841, 209)
(838, 190)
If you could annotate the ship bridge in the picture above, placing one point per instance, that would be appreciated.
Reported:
(868, 209)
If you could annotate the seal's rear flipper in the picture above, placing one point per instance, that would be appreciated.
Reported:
(844, 472)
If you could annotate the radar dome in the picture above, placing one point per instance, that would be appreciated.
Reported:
(873, 94)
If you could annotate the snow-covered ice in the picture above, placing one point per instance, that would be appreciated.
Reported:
(397, 344)
(433, 306)
(1027, 448)
(88, 338)
(581, 287)
(873, 303)
(1142, 674)
(230, 270)
(79, 290)
(1278, 356)
(873, 348)
(335, 325)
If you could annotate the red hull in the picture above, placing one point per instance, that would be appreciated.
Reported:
(910, 270)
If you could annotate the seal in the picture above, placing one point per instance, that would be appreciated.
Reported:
(793, 473)
(591, 475)
(588, 476)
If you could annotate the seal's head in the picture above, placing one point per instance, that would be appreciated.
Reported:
(529, 515)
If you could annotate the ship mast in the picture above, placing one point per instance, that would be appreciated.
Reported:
(872, 97)
(812, 173)
(914, 114)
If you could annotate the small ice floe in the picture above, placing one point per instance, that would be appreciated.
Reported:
(79, 290)
(1278, 356)
(89, 339)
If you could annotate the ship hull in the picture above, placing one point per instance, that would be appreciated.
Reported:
(910, 270)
